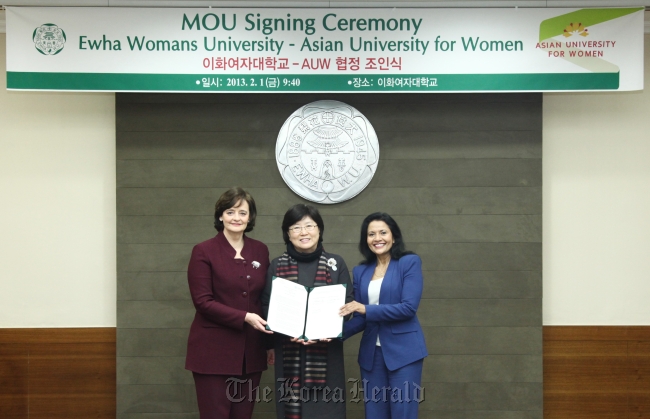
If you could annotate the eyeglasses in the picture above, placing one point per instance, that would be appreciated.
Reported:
(297, 229)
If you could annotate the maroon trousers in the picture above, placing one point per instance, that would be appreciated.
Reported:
(225, 396)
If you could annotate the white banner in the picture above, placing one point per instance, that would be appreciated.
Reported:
(324, 50)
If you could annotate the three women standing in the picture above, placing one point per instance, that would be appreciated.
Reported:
(226, 276)
(387, 292)
(230, 281)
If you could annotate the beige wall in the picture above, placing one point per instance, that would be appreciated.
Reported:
(57, 218)
(57, 182)
(596, 173)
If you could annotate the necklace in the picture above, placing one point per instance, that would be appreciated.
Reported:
(379, 273)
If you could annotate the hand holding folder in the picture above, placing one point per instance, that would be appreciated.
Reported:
(307, 313)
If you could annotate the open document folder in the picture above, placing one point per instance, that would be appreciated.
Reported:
(306, 312)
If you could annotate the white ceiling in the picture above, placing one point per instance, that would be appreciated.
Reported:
(327, 4)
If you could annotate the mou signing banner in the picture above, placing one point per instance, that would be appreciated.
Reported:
(324, 50)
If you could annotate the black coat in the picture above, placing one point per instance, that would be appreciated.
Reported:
(336, 380)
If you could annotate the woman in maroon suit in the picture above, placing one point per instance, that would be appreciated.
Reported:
(226, 275)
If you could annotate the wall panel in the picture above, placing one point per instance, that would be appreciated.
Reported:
(57, 373)
(460, 173)
(589, 372)
(596, 372)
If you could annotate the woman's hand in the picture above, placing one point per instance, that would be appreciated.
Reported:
(257, 322)
(309, 342)
(270, 356)
(351, 307)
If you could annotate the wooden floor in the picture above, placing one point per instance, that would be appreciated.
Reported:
(590, 372)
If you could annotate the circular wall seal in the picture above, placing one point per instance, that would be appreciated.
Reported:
(327, 152)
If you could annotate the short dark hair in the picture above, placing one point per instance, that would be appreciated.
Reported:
(297, 213)
(396, 251)
(229, 199)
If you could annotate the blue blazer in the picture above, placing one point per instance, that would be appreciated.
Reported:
(394, 319)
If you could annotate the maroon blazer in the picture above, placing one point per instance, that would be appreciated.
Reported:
(223, 290)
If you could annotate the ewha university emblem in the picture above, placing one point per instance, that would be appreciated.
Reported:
(327, 152)
(48, 39)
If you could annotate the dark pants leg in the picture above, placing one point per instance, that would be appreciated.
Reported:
(225, 396)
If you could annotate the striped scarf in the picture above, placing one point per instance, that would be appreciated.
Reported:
(312, 371)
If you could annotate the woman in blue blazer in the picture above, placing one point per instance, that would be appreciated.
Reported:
(387, 292)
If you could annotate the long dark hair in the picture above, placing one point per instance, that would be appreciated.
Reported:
(297, 213)
(396, 251)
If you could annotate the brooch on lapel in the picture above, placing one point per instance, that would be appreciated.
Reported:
(255, 264)
(331, 262)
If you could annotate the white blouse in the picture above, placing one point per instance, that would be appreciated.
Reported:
(374, 289)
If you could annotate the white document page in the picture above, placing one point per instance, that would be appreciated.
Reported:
(287, 308)
(323, 320)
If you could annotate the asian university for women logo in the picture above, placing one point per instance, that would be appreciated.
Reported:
(49, 39)
(327, 152)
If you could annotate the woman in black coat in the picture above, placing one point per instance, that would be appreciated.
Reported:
(312, 369)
